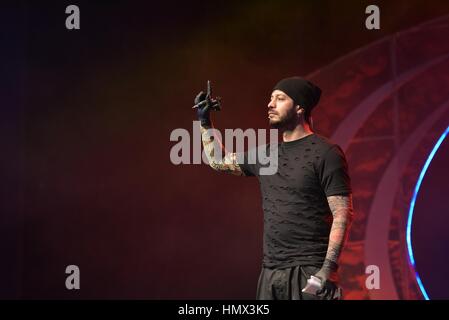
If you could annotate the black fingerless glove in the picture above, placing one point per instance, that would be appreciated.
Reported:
(204, 103)
(203, 109)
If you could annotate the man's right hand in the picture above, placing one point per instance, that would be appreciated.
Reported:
(204, 103)
(202, 109)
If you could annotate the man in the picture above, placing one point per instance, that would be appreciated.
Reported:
(307, 203)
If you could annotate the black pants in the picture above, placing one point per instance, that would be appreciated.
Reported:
(286, 284)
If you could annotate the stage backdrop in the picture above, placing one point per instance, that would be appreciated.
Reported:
(87, 116)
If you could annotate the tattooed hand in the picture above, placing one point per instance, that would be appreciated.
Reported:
(329, 278)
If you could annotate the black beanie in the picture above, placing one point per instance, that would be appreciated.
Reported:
(302, 92)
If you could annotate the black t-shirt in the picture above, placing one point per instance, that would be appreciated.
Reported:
(297, 217)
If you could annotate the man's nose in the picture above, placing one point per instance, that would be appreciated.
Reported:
(271, 104)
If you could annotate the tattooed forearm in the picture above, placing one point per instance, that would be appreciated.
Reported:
(341, 207)
(228, 163)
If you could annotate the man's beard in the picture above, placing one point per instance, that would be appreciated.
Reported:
(289, 121)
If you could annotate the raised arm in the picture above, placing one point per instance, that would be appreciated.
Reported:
(228, 163)
(204, 103)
